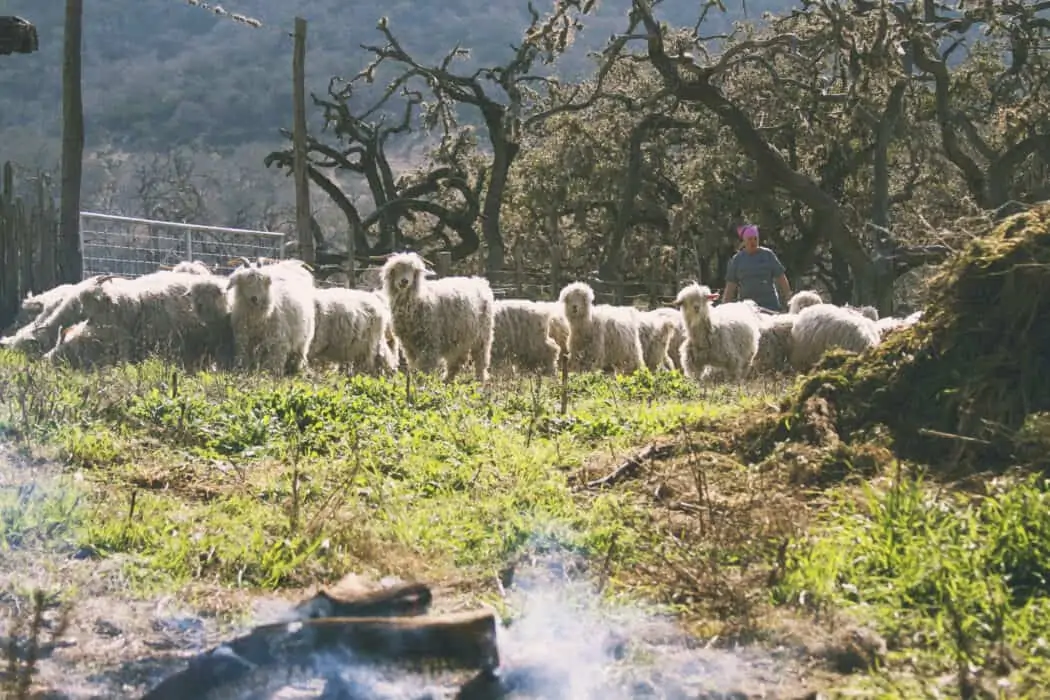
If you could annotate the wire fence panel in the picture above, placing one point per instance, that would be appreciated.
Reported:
(130, 247)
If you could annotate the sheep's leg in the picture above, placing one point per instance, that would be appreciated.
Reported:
(453, 365)
(481, 356)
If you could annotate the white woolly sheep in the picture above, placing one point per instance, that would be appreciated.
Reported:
(868, 312)
(825, 326)
(192, 267)
(40, 335)
(273, 320)
(725, 336)
(36, 306)
(774, 344)
(351, 331)
(521, 338)
(446, 320)
(803, 299)
(889, 324)
(678, 336)
(656, 330)
(601, 336)
(558, 326)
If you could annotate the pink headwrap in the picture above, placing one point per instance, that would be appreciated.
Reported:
(747, 231)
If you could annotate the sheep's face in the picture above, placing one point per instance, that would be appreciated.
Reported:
(209, 300)
(251, 289)
(402, 274)
(577, 299)
(32, 305)
(695, 302)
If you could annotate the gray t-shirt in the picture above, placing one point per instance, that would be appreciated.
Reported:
(754, 274)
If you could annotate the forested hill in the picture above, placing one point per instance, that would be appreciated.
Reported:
(160, 73)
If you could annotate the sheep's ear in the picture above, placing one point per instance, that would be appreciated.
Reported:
(713, 296)
(428, 273)
(62, 332)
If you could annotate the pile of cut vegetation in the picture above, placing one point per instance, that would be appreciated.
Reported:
(969, 382)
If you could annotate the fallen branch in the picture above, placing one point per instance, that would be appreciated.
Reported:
(631, 466)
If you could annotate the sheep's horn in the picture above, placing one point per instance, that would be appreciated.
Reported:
(165, 267)
(242, 260)
(104, 278)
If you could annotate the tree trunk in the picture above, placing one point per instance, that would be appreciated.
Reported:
(70, 258)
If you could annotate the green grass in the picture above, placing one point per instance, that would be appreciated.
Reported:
(955, 581)
(252, 482)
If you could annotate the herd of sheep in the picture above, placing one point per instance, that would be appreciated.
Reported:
(270, 316)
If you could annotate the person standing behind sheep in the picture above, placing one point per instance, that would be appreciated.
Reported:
(756, 273)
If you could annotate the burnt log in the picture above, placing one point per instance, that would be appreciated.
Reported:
(17, 35)
(273, 656)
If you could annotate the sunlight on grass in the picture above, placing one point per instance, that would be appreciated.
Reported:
(255, 482)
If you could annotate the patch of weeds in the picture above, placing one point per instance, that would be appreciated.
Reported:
(31, 636)
(956, 582)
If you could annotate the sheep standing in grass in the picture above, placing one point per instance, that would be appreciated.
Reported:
(774, 344)
(212, 311)
(521, 337)
(825, 326)
(803, 299)
(273, 320)
(557, 326)
(678, 336)
(724, 337)
(601, 337)
(446, 320)
(656, 331)
(351, 328)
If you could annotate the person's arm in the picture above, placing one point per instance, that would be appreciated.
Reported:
(729, 293)
(784, 288)
(781, 280)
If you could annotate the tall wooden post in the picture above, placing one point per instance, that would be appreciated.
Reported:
(70, 258)
(307, 251)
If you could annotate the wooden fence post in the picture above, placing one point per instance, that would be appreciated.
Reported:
(443, 264)
(307, 252)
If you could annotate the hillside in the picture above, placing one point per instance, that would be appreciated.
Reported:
(161, 73)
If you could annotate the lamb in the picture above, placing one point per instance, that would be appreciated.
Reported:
(521, 337)
(724, 337)
(774, 344)
(601, 336)
(351, 330)
(824, 326)
(803, 299)
(273, 319)
(446, 320)
(656, 330)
